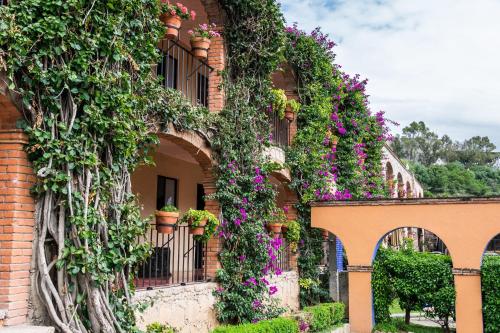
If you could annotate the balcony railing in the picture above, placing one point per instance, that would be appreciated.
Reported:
(283, 257)
(181, 70)
(176, 259)
(280, 131)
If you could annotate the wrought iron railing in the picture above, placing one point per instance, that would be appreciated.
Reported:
(176, 259)
(181, 70)
(280, 131)
(494, 245)
(283, 257)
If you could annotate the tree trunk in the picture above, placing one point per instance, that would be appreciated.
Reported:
(407, 316)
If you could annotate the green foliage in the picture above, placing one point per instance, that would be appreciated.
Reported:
(387, 327)
(169, 208)
(194, 217)
(82, 70)
(325, 316)
(293, 105)
(490, 283)
(455, 180)
(254, 35)
(279, 101)
(421, 281)
(159, 328)
(332, 105)
(420, 144)
(293, 234)
(278, 325)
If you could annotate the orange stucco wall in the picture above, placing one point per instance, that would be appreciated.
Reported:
(465, 226)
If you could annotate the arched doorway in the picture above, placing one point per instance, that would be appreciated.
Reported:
(361, 225)
(181, 176)
(412, 290)
(490, 285)
(389, 178)
(401, 186)
(409, 191)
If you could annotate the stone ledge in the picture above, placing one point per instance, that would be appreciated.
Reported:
(466, 271)
(359, 268)
(28, 329)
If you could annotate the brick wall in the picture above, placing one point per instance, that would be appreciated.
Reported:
(216, 58)
(16, 225)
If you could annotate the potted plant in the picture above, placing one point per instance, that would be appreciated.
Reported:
(166, 219)
(202, 224)
(292, 233)
(201, 37)
(172, 16)
(278, 218)
(292, 107)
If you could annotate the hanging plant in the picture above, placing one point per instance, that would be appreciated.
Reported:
(201, 37)
(172, 16)
(291, 230)
(279, 101)
(276, 222)
(166, 219)
(202, 224)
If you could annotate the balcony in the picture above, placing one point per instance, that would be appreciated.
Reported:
(176, 259)
(180, 70)
(280, 131)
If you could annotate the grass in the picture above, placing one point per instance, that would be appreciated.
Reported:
(398, 325)
(394, 308)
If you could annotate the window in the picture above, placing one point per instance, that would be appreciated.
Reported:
(166, 192)
(167, 69)
(202, 90)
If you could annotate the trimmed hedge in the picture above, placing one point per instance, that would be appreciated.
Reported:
(324, 316)
(490, 280)
(318, 318)
(278, 325)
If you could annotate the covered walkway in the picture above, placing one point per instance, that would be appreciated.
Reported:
(466, 226)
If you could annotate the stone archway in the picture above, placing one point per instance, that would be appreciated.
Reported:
(361, 224)
(401, 186)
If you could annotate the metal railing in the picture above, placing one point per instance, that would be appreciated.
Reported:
(494, 245)
(280, 131)
(181, 70)
(283, 257)
(176, 259)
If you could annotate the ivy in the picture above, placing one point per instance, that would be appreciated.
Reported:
(82, 72)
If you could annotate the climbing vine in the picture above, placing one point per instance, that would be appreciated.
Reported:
(254, 38)
(336, 154)
(81, 73)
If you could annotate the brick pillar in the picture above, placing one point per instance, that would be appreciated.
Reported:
(16, 226)
(216, 59)
(213, 246)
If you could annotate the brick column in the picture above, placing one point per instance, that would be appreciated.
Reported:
(216, 59)
(16, 226)
(213, 246)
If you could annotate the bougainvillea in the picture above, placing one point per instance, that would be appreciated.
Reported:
(254, 37)
(336, 154)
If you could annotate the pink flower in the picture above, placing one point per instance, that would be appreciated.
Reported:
(173, 13)
(184, 10)
(193, 15)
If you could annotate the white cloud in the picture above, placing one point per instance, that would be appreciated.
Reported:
(431, 60)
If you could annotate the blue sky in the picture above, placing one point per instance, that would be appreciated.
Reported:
(432, 60)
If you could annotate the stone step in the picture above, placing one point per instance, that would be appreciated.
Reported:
(27, 329)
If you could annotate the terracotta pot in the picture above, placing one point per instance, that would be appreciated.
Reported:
(173, 24)
(165, 221)
(284, 229)
(198, 230)
(289, 114)
(275, 228)
(200, 46)
(324, 234)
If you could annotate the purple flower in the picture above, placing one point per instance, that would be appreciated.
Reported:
(342, 131)
(242, 258)
(273, 290)
(237, 222)
(243, 213)
(256, 304)
(303, 326)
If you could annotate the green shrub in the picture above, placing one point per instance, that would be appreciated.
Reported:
(490, 280)
(159, 328)
(324, 316)
(278, 325)
(387, 327)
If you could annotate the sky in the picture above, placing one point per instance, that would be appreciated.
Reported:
(432, 60)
